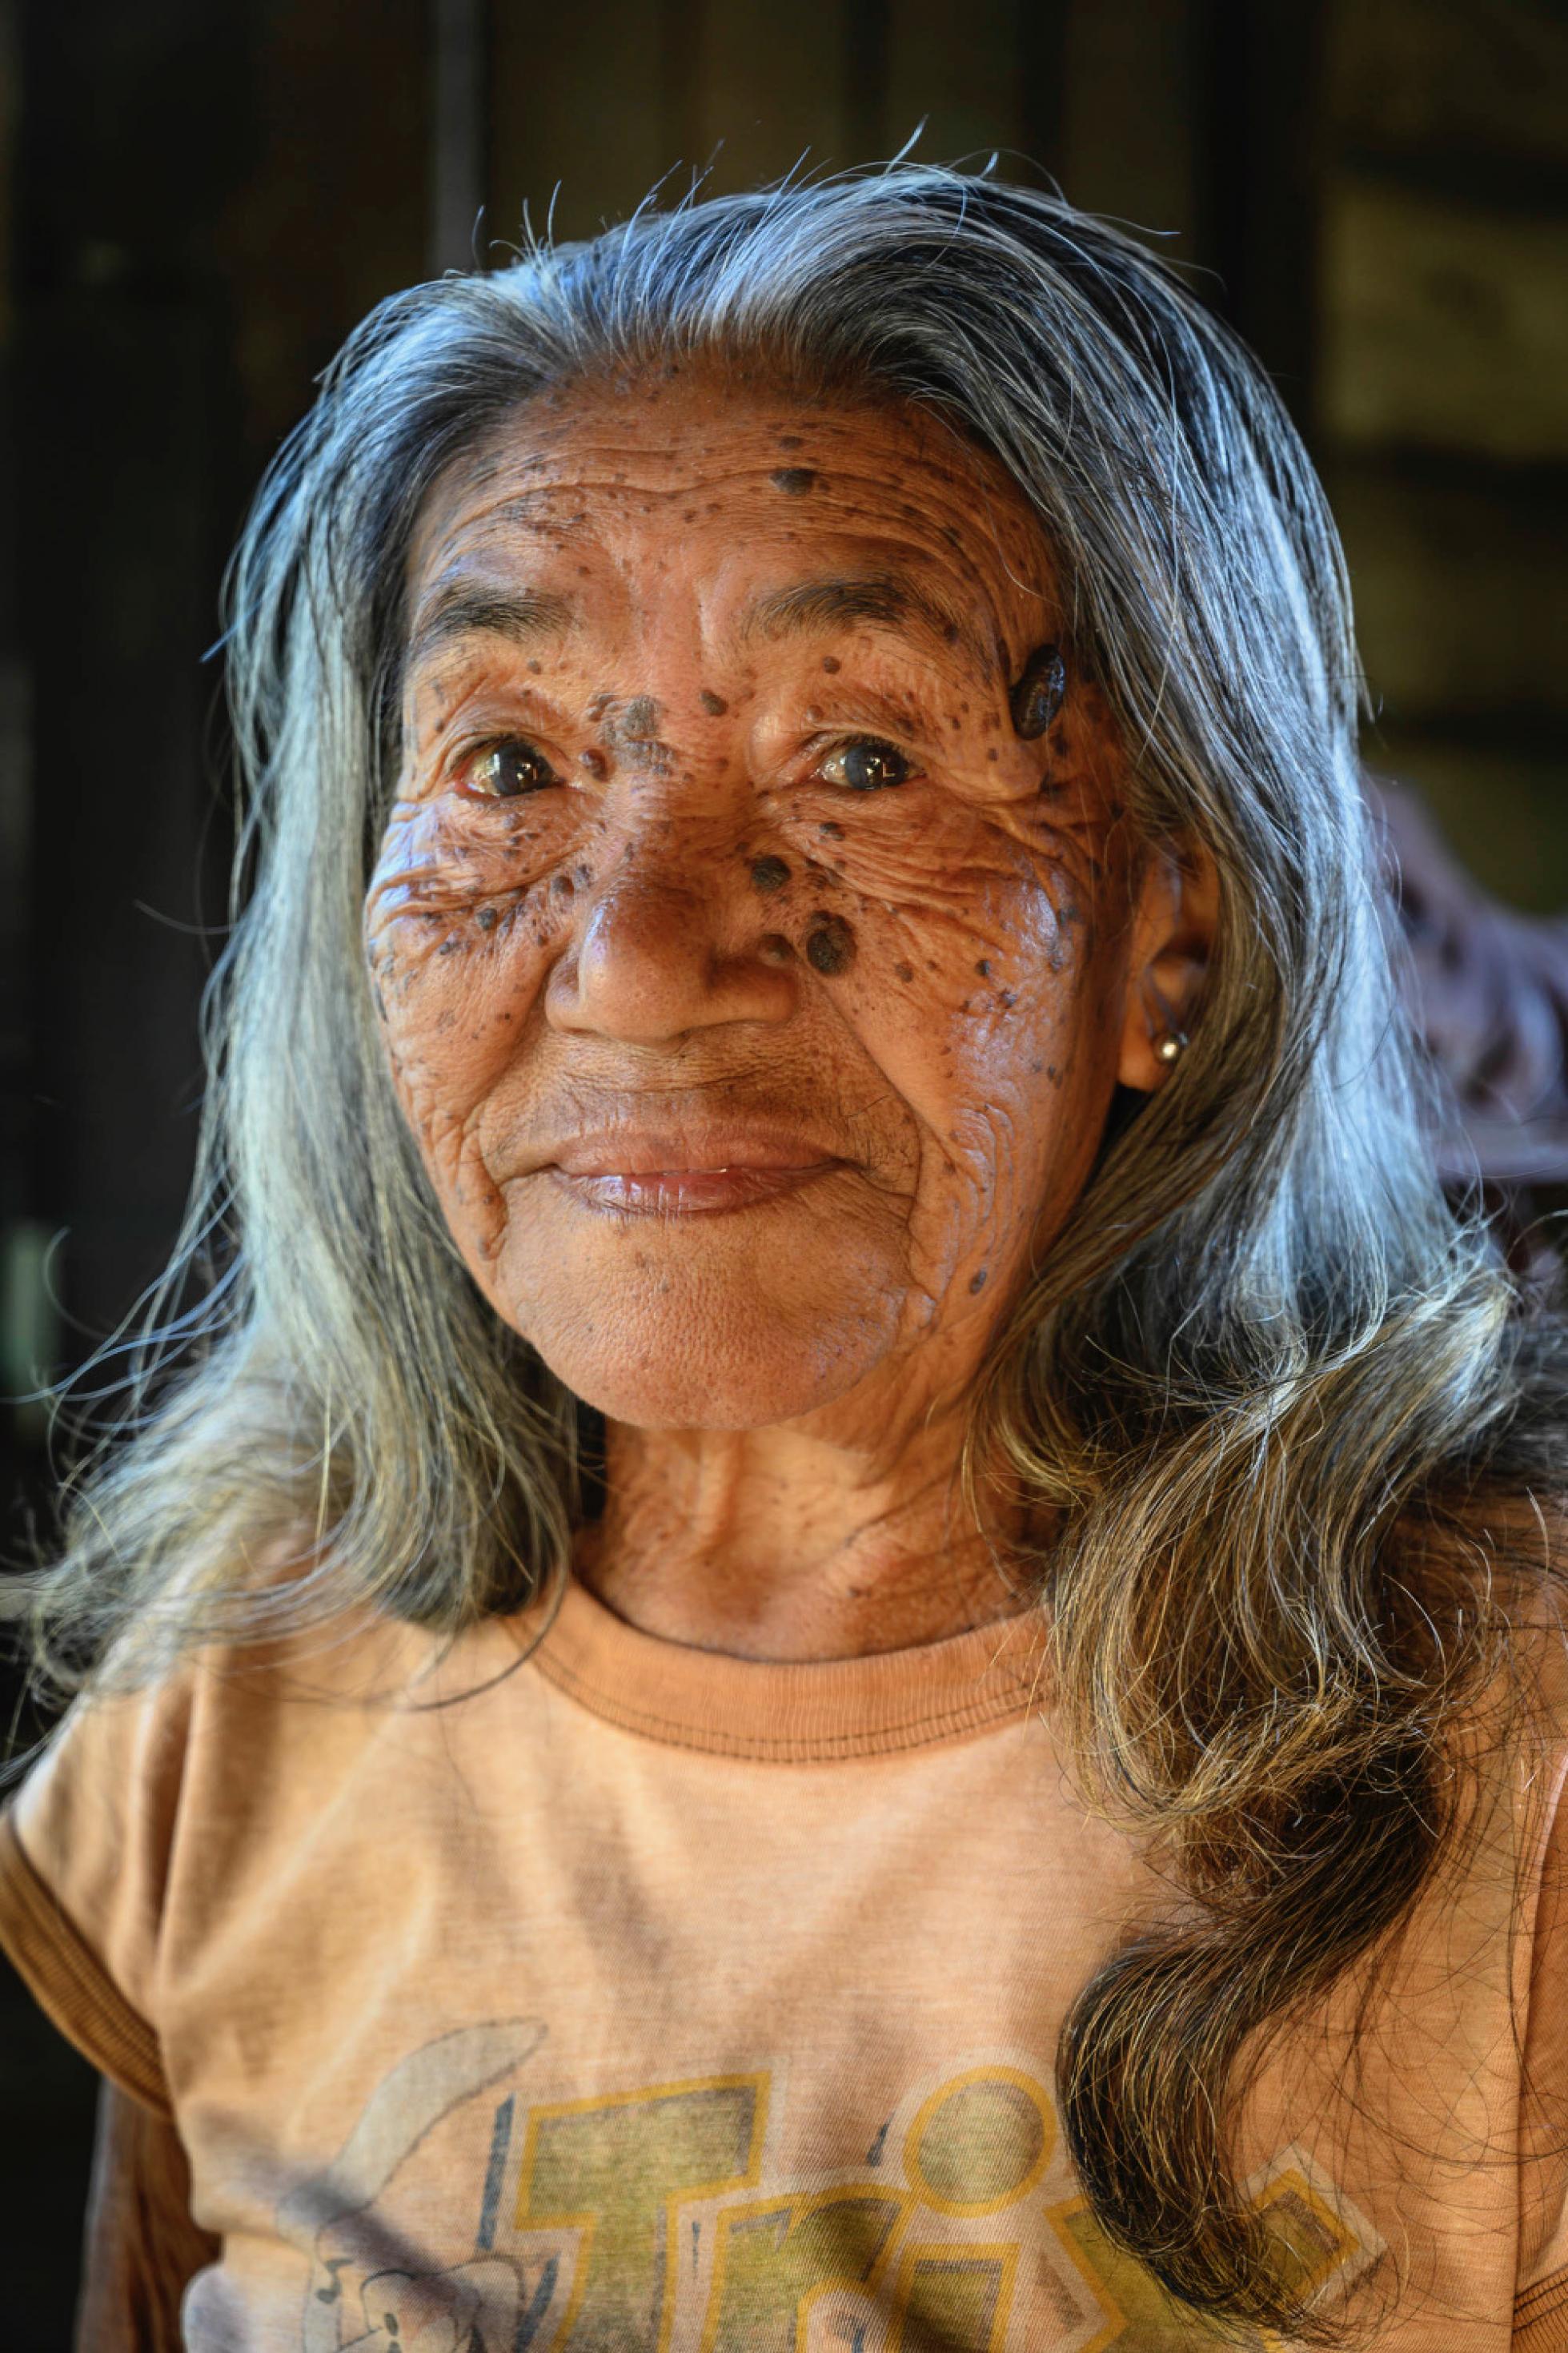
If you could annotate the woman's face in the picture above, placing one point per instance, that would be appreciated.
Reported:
(754, 991)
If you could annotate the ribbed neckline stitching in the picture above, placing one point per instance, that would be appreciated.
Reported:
(785, 1713)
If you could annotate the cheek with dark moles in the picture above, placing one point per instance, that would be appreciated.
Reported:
(943, 901)
(465, 915)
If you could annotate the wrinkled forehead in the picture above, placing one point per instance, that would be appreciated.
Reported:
(695, 482)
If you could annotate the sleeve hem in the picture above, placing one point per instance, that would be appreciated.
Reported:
(70, 1983)
(1541, 2315)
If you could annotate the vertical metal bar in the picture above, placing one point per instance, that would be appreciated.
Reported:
(865, 81)
(459, 48)
(683, 67)
(1042, 62)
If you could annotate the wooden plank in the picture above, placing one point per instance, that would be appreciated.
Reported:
(1457, 590)
(769, 89)
(961, 72)
(1500, 810)
(330, 213)
(1443, 326)
(579, 114)
(1419, 78)
(1131, 103)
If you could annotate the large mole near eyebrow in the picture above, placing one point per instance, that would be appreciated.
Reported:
(793, 481)
(830, 943)
(630, 730)
(639, 719)
(1036, 697)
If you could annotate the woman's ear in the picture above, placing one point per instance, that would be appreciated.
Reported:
(1174, 914)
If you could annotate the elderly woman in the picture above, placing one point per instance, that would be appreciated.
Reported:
(841, 1631)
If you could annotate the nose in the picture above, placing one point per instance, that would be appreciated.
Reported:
(662, 952)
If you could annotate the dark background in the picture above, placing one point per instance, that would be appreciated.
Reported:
(199, 197)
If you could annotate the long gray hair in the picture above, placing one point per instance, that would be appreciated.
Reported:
(1263, 1345)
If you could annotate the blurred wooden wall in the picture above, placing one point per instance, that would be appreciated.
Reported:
(1442, 412)
(200, 200)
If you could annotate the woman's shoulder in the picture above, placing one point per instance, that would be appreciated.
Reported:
(180, 1783)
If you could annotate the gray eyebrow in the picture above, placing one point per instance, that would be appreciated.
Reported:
(888, 600)
(523, 616)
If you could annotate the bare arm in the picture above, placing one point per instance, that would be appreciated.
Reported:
(140, 2246)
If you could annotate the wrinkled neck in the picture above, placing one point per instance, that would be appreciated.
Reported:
(779, 1543)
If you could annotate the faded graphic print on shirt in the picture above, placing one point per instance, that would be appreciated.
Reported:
(658, 2219)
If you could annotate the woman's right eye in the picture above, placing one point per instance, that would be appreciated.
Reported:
(500, 772)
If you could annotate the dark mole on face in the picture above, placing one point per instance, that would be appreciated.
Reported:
(793, 481)
(714, 704)
(768, 875)
(831, 663)
(977, 1281)
(1036, 697)
(594, 762)
(834, 833)
(486, 919)
(830, 943)
(639, 720)
(773, 949)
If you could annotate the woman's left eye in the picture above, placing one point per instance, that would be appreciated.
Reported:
(865, 764)
(501, 771)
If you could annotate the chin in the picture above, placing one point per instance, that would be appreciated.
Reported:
(737, 1366)
(689, 1392)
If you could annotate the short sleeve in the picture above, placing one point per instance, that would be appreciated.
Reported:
(84, 1858)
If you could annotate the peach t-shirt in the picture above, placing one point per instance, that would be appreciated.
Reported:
(612, 1995)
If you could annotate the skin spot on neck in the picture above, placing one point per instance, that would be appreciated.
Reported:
(794, 481)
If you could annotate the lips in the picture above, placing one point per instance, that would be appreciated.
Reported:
(669, 1173)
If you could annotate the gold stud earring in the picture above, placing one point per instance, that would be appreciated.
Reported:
(1171, 1047)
